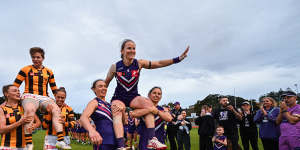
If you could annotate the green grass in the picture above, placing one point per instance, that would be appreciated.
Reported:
(195, 139)
(38, 139)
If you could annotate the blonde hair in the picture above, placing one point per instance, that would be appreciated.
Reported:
(274, 103)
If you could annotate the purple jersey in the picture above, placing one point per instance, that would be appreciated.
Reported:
(288, 129)
(127, 81)
(131, 125)
(102, 118)
(220, 146)
(159, 131)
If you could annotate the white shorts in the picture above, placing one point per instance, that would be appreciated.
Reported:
(38, 100)
(9, 148)
(50, 142)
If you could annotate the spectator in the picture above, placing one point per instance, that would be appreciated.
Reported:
(248, 129)
(183, 132)
(268, 130)
(228, 117)
(171, 128)
(206, 128)
(289, 120)
(220, 141)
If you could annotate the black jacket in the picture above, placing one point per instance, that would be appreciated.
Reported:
(206, 125)
(175, 113)
(247, 125)
(180, 128)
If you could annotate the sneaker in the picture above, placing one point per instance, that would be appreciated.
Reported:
(62, 145)
(155, 144)
(29, 147)
(121, 148)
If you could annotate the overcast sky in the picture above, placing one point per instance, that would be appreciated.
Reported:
(251, 46)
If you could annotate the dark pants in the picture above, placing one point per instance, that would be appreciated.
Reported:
(183, 139)
(233, 138)
(252, 138)
(172, 135)
(270, 144)
(205, 142)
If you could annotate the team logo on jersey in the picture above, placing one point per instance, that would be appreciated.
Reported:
(223, 115)
(134, 73)
(31, 74)
(7, 116)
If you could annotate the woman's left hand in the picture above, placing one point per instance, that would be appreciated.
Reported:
(184, 54)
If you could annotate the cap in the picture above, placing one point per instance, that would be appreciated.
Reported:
(176, 103)
(288, 93)
(245, 102)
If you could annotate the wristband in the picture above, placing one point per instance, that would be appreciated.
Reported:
(176, 60)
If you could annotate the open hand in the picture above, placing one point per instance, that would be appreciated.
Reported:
(184, 54)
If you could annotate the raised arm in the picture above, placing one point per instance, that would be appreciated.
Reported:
(162, 63)
(292, 119)
(110, 75)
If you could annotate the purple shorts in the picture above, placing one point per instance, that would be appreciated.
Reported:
(289, 143)
(125, 99)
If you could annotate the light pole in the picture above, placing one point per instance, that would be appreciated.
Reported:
(234, 97)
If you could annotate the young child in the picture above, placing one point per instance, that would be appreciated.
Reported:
(219, 140)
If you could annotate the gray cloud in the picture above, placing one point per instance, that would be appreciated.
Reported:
(252, 46)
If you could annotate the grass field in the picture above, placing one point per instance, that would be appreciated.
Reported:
(38, 139)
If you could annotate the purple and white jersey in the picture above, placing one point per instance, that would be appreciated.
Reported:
(102, 118)
(288, 129)
(220, 146)
(127, 81)
(131, 125)
(160, 132)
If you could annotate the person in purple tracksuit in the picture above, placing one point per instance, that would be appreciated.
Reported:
(266, 119)
(289, 120)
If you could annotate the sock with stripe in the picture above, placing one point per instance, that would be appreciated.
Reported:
(60, 136)
(28, 139)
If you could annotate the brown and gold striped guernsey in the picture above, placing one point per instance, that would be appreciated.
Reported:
(67, 113)
(16, 137)
(36, 80)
